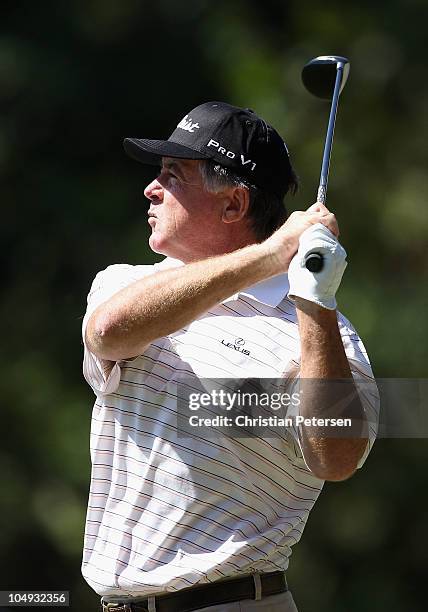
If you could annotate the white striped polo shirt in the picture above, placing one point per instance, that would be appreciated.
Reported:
(166, 512)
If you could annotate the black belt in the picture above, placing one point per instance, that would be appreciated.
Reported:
(214, 594)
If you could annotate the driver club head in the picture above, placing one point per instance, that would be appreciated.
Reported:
(319, 75)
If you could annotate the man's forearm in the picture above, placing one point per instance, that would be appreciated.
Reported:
(331, 453)
(164, 302)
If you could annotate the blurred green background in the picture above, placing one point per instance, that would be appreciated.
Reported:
(75, 78)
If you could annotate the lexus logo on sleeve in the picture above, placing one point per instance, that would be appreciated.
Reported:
(237, 345)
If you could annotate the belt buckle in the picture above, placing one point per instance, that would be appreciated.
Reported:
(124, 607)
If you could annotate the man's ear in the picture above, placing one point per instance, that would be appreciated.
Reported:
(236, 204)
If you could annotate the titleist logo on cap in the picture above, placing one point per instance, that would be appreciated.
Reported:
(187, 124)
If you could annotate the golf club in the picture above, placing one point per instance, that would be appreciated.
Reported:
(325, 77)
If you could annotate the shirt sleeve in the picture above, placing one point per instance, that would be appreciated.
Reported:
(364, 381)
(105, 285)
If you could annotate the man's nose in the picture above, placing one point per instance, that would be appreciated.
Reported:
(154, 191)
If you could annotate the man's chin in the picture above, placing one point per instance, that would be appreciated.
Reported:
(155, 244)
(158, 245)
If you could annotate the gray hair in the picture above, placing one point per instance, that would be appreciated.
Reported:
(216, 177)
(266, 211)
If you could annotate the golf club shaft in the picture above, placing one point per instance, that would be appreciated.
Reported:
(314, 262)
(322, 189)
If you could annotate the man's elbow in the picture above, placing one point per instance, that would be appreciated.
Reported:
(102, 338)
(97, 335)
(334, 474)
(341, 462)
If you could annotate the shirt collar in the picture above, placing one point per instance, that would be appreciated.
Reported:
(168, 262)
(270, 291)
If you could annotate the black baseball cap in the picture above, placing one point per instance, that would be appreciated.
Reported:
(234, 137)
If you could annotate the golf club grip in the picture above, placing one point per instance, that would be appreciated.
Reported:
(322, 194)
(314, 262)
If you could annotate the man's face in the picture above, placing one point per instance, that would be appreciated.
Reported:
(184, 217)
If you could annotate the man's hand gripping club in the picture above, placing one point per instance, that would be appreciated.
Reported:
(320, 237)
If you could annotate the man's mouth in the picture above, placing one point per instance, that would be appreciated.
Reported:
(152, 218)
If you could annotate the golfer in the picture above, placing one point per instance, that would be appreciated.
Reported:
(206, 522)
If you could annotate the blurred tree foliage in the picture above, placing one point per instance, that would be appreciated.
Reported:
(78, 76)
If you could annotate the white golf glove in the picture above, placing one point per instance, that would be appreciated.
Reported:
(319, 287)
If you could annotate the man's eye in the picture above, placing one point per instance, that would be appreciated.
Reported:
(167, 173)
